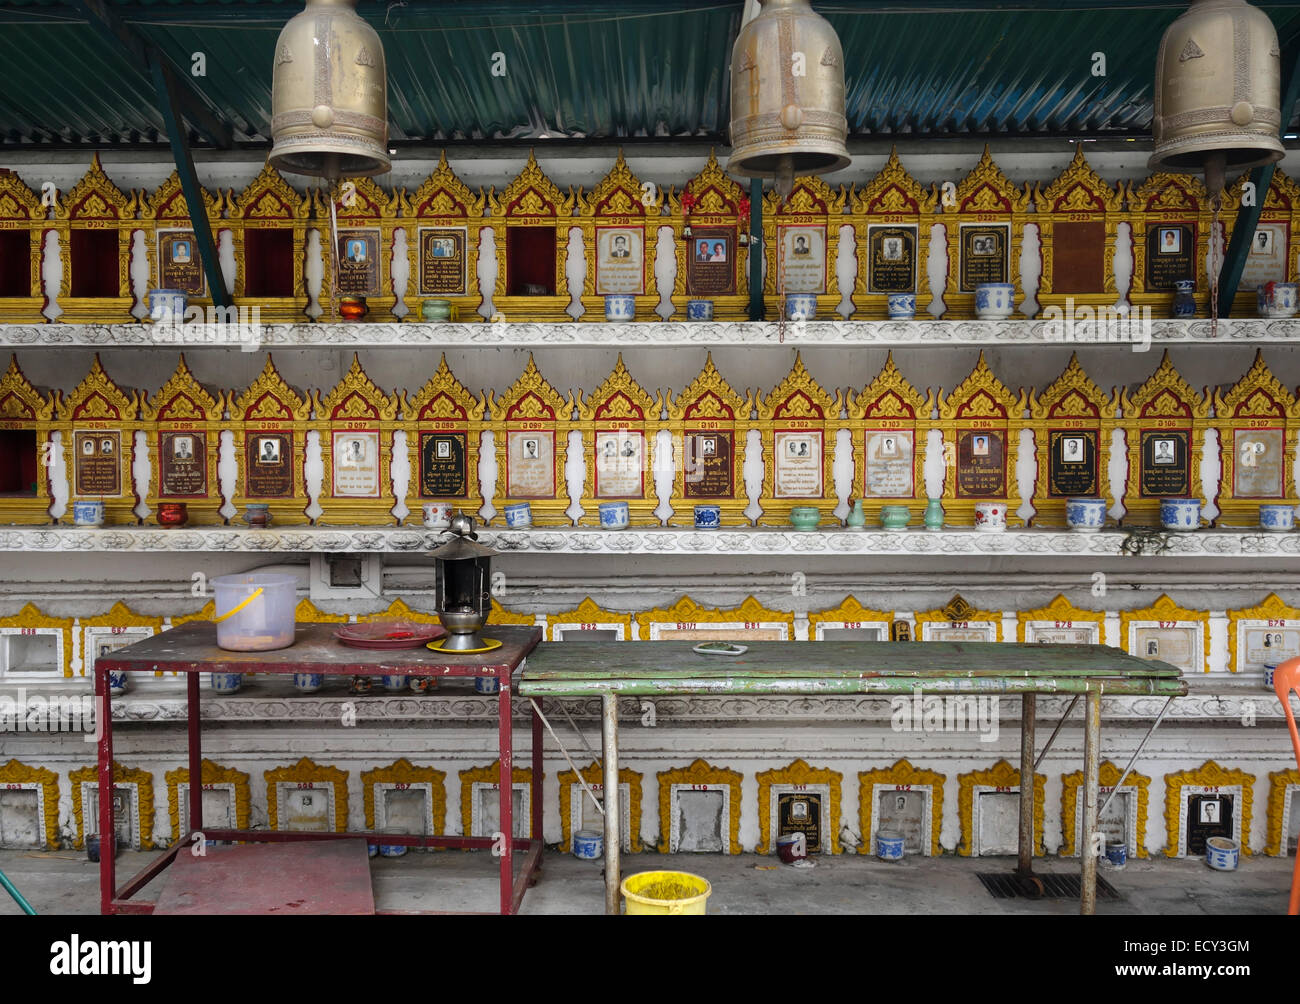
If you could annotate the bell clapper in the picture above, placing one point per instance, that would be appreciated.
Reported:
(785, 177)
(1216, 170)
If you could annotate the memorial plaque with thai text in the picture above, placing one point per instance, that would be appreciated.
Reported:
(981, 464)
(442, 261)
(1258, 462)
(358, 260)
(891, 259)
(889, 463)
(985, 255)
(97, 464)
(355, 463)
(620, 260)
(1171, 250)
(620, 463)
(708, 470)
(530, 464)
(801, 812)
(1165, 466)
(1177, 646)
(442, 464)
(182, 463)
(803, 258)
(1066, 633)
(710, 261)
(268, 465)
(179, 265)
(798, 464)
(1267, 259)
(1072, 463)
(1078, 257)
(1266, 643)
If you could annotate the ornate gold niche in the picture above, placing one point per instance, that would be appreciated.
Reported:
(211, 776)
(593, 774)
(1165, 202)
(403, 772)
(850, 615)
(709, 409)
(443, 208)
(21, 213)
(46, 784)
(124, 777)
(307, 774)
(1072, 408)
(1280, 214)
(1166, 614)
(588, 616)
(532, 411)
(798, 410)
(531, 201)
(700, 772)
(1165, 407)
(892, 205)
(686, 619)
(364, 211)
(812, 206)
(985, 199)
(902, 776)
(95, 205)
(442, 411)
(1000, 777)
(25, 411)
(168, 220)
(1072, 788)
(1208, 775)
(889, 407)
(96, 413)
(270, 408)
(491, 775)
(621, 413)
(799, 774)
(710, 204)
(269, 205)
(120, 620)
(980, 407)
(1062, 616)
(958, 616)
(1080, 209)
(1254, 410)
(353, 411)
(1282, 784)
(618, 204)
(1272, 615)
(31, 619)
(185, 410)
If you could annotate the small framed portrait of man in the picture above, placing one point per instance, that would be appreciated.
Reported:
(183, 448)
(1171, 240)
(708, 447)
(1071, 449)
(892, 249)
(442, 450)
(530, 449)
(268, 451)
(979, 446)
(1162, 452)
(798, 449)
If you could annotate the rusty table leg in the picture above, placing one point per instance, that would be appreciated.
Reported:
(1025, 845)
(613, 843)
(1091, 765)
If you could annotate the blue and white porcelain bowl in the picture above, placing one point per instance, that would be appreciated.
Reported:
(614, 516)
(519, 515)
(392, 850)
(308, 683)
(393, 683)
(620, 307)
(1117, 854)
(588, 845)
(1085, 513)
(1222, 854)
(801, 306)
(487, 685)
(1276, 517)
(902, 306)
(994, 300)
(699, 310)
(227, 683)
(168, 305)
(889, 846)
(88, 512)
(1276, 299)
(1180, 514)
(708, 517)
(117, 682)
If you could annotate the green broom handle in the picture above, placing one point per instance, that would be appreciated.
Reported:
(18, 897)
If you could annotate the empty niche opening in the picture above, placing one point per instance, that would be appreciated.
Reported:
(1293, 823)
(530, 261)
(999, 823)
(20, 819)
(571, 632)
(1208, 815)
(699, 821)
(18, 463)
(218, 808)
(123, 807)
(307, 810)
(487, 821)
(29, 653)
(851, 634)
(93, 263)
(904, 812)
(404, 811)
(1113, 825)
(15, 263)
(268, 262)
(801, 812)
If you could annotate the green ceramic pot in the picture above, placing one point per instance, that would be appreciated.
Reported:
(805, 517)
(895, 517)
(435, 310)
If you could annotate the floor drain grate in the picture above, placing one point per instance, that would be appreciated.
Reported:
(1005, 885)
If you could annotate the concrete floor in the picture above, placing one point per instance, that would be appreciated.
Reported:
(65, 882)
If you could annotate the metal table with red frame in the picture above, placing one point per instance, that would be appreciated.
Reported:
(192, 649)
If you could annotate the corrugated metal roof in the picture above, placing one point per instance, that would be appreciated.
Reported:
(604, 68)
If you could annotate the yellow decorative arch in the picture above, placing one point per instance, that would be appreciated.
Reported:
(30, 616)
(902, 775)
(1064, 616)
(118, 620)
(1001, 777)
(305, 771)
(593, 774)
(209, 773)
(957, 615)
(491, 774)
(1071, 785)
(699, 772)
(1165, 613)
(402, 771)
(1274, 614)
(1279, 783)
(684, 619)
(1208, 775)
(47, 783)
(589, 614)
(850, 614)
(138, 776)
(796, 773)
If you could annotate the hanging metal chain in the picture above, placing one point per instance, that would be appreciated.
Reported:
(1216, 263)
(334, 250)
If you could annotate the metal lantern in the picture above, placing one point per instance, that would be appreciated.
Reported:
(463, 580)
(329, 98)
(787, 96)
(1218, 92)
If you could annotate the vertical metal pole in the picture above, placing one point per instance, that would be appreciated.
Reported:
(756, 249)
(609, 736)
(536, 796)
(1091, 768)
(107, 845)
(506, 786)
(1025, 844)
(193, 722)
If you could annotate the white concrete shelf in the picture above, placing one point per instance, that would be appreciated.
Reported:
(650, 334)
(739, 541)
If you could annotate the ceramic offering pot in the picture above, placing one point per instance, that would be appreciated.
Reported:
(699, 310)
(791, 847)
(361, 685)
(88, 512)
(708, 517)
(588, 845)
(994, 300)
(257, 514)
(889, 846)
(990, 517)
(934, 515)
(423, 684)
(805, 517)
(167, 306)
(1085, 513)
(1180, 514)
(372, 850)
(519, 516)
(1221, 854)
(857, 519)
(620, 307)
(353, 308)
(614, 516)
(117, 682)
(173, 514)
(1184, 304)
(487, 685)
(901, 306)
(226, 683)
(392, 850)
(895, 517)
(1276, 299)
(393, 684)
(801, 306)
(437, 515)
(1270, 668)
(308, 683)
(1117, 854)
(92, 847)
(435, 310)
(1278, 518)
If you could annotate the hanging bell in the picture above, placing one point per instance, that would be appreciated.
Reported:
(329, 99)
(1218, 92)
(787, 96)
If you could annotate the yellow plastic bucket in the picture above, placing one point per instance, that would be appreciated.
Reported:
(665, 893)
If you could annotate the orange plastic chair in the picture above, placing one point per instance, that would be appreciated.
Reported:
(1285, 680)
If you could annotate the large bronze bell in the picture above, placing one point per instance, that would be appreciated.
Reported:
(787, 95)
(329, 98)
(1218, 88)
